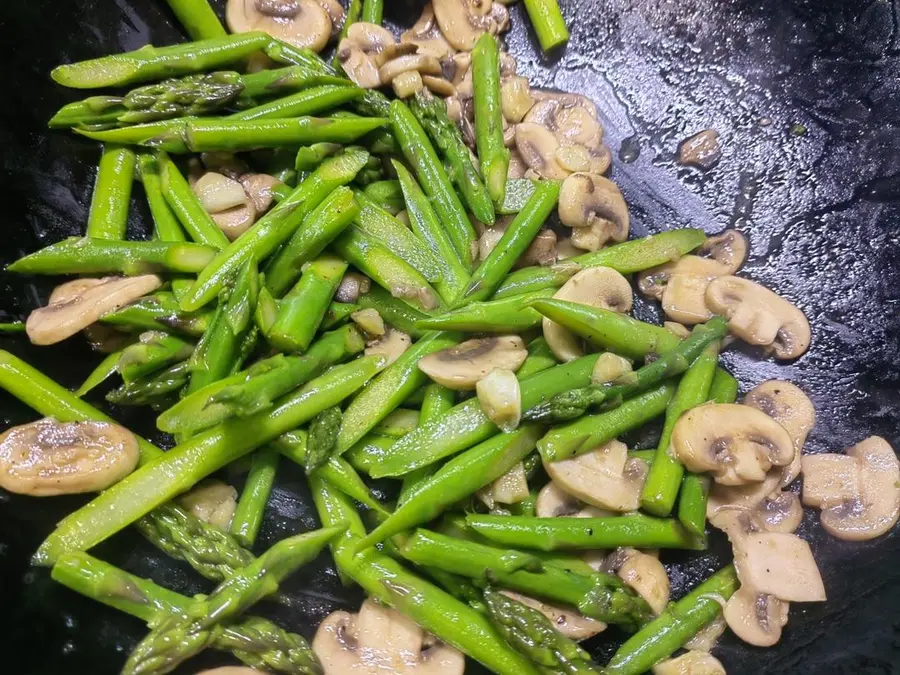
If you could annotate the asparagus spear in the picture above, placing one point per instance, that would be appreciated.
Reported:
(492, 152)
(153, 351)
(104, 370)
(165, 225)
(310, 101)
(322, 439)
(531, 633)
(372, 11)
(251, 507)
(310, 156)
(540, 358)
(108, 217)
(257, 642)
(198, 19)
(153, 388)
(436, 401)
(393, 310)
(431, 112)
(268, 83)
(386, 195)
(186, 205)
(81, 255)
(194, 459)
(518, 192)
(510, 315)
(576, 402)
(159, 311)
(175, 638)
(548, 23)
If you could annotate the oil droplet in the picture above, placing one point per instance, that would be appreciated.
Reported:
(68, 647)
(630, 150)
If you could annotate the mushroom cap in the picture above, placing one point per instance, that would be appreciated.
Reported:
(391, 345)
(426, 35)
(779, 512)
(554, 502)
(380, 640)
(359, 53)
(462, 366)
(336, 13)
(566, 620)
(79, 303)
(739, 444)
(779, 564)
(728, 248)
(588, 200)
(605, 477)
(691, 663)
(537, 147)
(791, 408)
(759, 317)
(571, 117)
(302, 23)
(875, 507)
(213, 502)
(756, 618)
(48, 457)
(644, 573)
(594, 286)
(462, 22)
(501, 399)
(725, 499)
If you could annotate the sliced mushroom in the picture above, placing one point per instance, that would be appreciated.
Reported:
(77, 304)
(369, 322)
(380, 640)
(422, 63)
(227, 202)
(48, 457)
(336, 13)
(700, 150)
(462, 366)
(566, 620)
(707, 637)
(760, 317)
(541, 251)
(391, 345)
(739, 444)
(352, 286)
(779, 564)
(644, 573)
(258, 187)
(609, 368)
(779, 512)
(554, 502)
(438, 85)
(728, 248)
(510, 488)
(792, 409)
(515, 97)
(756, 618)
(517, 169)
(213, 502)
(359, 50)
(726, 499)
(691, 663)
(594, 203)
(572, 118)
(565, 249)
(501, 398)
(595, 286)
(463, 21)
(859, 493)
(427, 36)
(407, 84)
(605, 477)
(537, 146)
(302, 23)
(492, 235)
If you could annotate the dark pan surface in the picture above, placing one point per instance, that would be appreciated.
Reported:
(821, 208)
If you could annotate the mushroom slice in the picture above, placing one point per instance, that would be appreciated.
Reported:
(501, 398)
(380, 640)
(566, 620)
(302, 23)
(537, 146)
(691, 663)
(213, 502)
(426, 35)
(681, 286)
(609, 368)
(605, 477)
(217, 192)
(462, 366)
(517, 169)
(510, 488)
(779, 512)
(724, 499)
(462, 22)
(554, 502)
(352, 286)
(407, 84)
(572, 118)
(859, 493)
(235, 222)
(792, 409)
(728, 248)
(358, 53)
(515, 97)
(739, 444)
(438, 85)
(644, 573)
(335, 12)
(756, 618)
(779, 564)
(759, 316)
(591, 201)
(595, 286)
(541, 251)
(48, 457)
(391, 346)
(258, 187)
(77, 304)
(422, 63)
(707, 637)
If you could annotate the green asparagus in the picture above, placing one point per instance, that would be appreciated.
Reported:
(322, 439)
(548, 23)
(108, 217)
(186, 205)
(492, 152)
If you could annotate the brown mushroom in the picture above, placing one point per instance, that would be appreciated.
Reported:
(591, 202)
(566, 620)
(427, 37)
(500, 398)
(700, 150)
(48, 457)
(859, 493)
(462, 366)
(537, 146)
(791, 408)
(779, 564)
(359, 50)
(739, 444)
(515, 97)
(644, 573)
(759, 317)
(391, 345)
(510, 488)
(594, 286)
(302, 23)
(605, 477)
(77, 304)
(756, 618)
(380, 640)
(462, 22)
(212, 501)
(554, 502)
(352, 286)
(691, 663)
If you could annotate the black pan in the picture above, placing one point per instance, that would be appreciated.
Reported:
(805, 97)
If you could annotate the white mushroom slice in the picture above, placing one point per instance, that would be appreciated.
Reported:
(391, 346)
(258, 187)
(756, 618)
(517, 169)
(791, 408)
(501, 398)
(422, 63)
(515, 97)
(336, 13)
(358, 53)
(595, 286)
(48, 457)
(681, 286)
(567, 621)
(438, 85)
(302, 23)
(219, 193)
(235, 222)
(380, 640)
(725, 499)
(779, 564)
(728, 248)
(605, 477)
(644, 573)
(427, 36)
(369, 322)
(739, 444)
(859, 501)
(588, 201)
(462, 22)
(77, 304)
(565, 249)
(352, 286)
(541, 251)
(609, 368)
(707, 637)
(691, 663)
(491, 236)
(462, 366)
(759, 317)
(510, 488)
(407, 84)
(537, 146)
(572, 118)
(554, 502)
(779, 512)
(213, 502)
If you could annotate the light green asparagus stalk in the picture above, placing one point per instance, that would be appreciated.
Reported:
(548, 23)
(111, 200)
(492, 152)
(165, 224)
(104, 370)
(251, 506)
(153, 351)
(198, 19)
(323, 436)
(159, 311)
(186, 205)
(153, 389)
